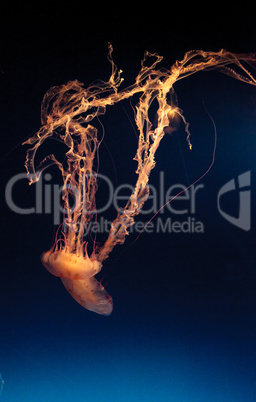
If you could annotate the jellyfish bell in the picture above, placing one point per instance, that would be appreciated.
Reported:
(90, 294)
(174, 120)
(173, 113)
(169, 116)
(70, 265)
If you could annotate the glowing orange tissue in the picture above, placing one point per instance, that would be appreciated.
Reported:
(70, 265)
(68, 113)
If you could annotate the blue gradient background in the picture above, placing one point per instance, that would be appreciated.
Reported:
(183, 326)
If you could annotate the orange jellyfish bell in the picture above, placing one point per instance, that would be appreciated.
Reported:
(90, 294)
(70, 265)
(174, 121)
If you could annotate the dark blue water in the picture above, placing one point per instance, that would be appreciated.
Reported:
(181, 352)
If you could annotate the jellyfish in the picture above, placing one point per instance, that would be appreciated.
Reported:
(1, 383)
(68, 113)
(174, 114)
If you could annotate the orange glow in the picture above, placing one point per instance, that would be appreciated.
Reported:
(68, 113)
